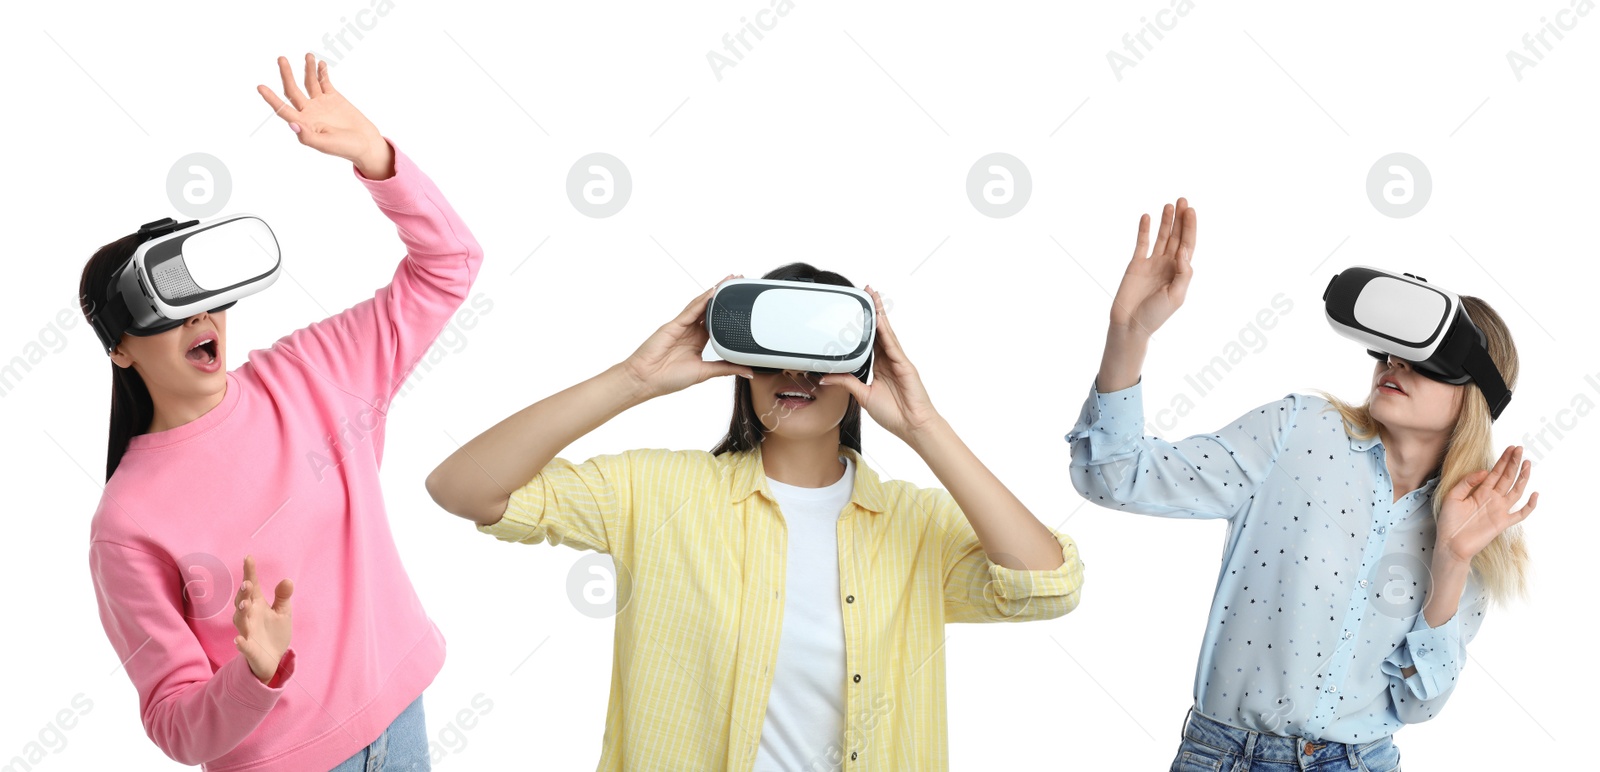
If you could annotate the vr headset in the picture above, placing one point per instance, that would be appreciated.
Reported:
(184, 269)
(772, 325)
(1405, 316)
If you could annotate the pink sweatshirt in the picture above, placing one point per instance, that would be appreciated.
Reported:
(285, 468)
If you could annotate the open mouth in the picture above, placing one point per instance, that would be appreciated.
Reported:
(202, 352)
(795, 399)
(1390, 386)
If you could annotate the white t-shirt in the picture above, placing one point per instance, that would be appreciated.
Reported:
(804, 728)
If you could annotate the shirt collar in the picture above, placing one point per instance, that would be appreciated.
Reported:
(1369, 443)
(1357, 443)
(749, 476)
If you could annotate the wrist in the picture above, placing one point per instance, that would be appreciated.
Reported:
(265, 678)
(377, 163)
(1127, 332)
(1446, 565)
(927, 433)
(629, 388)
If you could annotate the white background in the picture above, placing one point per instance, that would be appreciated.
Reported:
(843, 138)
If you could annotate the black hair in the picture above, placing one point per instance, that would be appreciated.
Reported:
(745, 431)
(131, 407)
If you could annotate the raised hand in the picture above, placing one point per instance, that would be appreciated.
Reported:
(1154, 284)
(263, 630)
(670, 359)
(896, 400)
(325, 121)
(1478, 508)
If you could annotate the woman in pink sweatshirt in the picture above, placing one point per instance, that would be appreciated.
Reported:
(272, 468)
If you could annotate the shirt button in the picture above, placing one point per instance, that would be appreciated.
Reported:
(1383, 528)
(852, 755)
(849, 599)
(1363, 584)
(1348, 635)
(857, 679)
(1332, 689)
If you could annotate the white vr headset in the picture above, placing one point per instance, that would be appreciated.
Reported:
(1405, 316)
(771, 325)
(184, 269)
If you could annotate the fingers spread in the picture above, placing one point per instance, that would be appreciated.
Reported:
(290, 90)
(313, 83)
(1166, 231)
(1141, 247)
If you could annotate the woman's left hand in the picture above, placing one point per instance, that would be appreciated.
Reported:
(324, 120)
(896, 398)
(1478, 509)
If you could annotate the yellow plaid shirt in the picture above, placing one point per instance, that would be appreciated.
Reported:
(700, 582)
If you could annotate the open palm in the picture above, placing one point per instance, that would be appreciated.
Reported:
(1478, 509)
(327, 121)
(264, 630)
(1155, 281)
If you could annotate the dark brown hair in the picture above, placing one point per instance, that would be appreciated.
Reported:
(131, 408)
(745, 431)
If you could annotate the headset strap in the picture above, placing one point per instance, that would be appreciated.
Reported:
(1478, 365)
(110, 317)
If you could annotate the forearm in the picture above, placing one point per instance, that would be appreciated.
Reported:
(1122, 360)
(1010, 534)
(476, 481)
(1448, 579)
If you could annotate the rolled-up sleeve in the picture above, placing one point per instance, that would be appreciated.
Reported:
(976, 589)
(1116, 465)
(1438, 654)
(581, 505)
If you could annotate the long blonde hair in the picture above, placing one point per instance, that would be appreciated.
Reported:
(1501, 567)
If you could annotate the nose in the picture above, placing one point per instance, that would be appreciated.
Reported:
(1403, 364)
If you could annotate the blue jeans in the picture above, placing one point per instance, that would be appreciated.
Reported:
(1211, 746)
(403, 747)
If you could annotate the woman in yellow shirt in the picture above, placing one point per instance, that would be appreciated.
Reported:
(706, 674)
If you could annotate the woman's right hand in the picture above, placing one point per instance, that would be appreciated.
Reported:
(670, 359)
(1152, 289)
(1155, 282)
(263, 630)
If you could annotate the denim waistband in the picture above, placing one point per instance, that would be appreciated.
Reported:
(1269, 747)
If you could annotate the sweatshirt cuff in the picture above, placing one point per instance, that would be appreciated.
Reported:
(396, 191)
(1110, 420)
(247, 690)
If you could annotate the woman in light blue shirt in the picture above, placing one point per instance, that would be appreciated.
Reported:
(1348, 591)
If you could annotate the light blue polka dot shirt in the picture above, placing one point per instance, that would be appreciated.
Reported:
(1318, 606)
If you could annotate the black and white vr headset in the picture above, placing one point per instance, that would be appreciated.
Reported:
(184, 269)
(771, 325)
(1405, 316)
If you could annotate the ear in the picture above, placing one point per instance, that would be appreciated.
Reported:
(120, 357)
